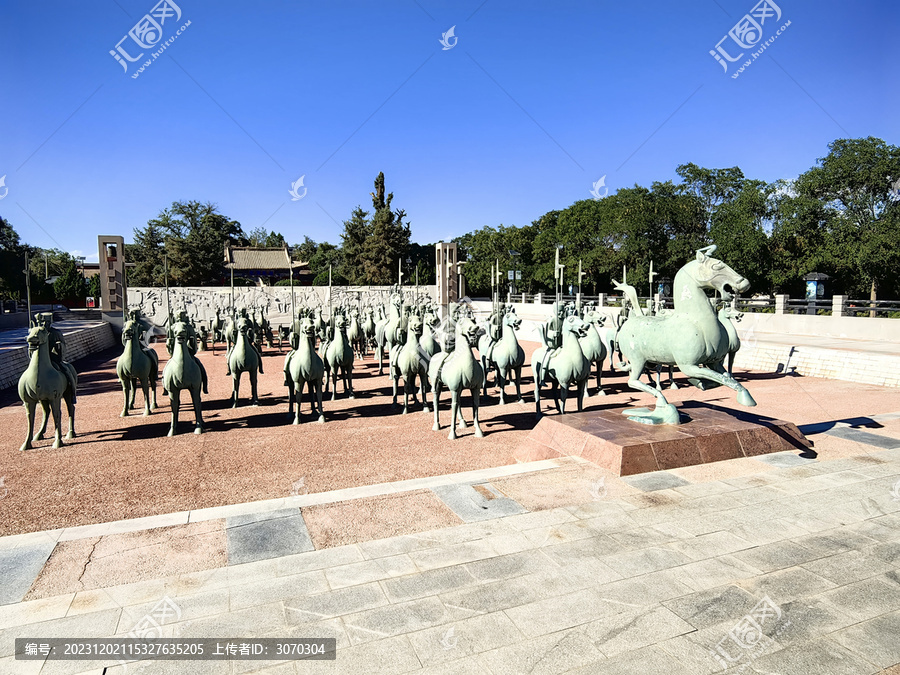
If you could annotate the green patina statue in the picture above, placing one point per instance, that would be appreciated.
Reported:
(244, 358)
(137, 364)
(303, 366)
(563, 366)
(46, 381)
(182, 371)
(502, 353)
(457, 370)
(691, 336)
(408, 361)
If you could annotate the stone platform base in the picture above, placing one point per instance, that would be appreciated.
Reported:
(610, 440)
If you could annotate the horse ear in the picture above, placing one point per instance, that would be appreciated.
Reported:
(705, 252)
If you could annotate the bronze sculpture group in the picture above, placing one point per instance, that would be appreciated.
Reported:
(424, 352)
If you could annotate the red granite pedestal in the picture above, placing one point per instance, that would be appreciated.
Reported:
(610, 440)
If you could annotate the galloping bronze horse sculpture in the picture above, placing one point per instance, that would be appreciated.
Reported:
(690, 337)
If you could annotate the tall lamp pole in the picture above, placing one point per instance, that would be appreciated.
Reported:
(28, 287)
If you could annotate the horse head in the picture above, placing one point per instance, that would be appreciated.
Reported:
(593, 317)
(512, 319)
(37, 336)
(712, 273)
(244, 326)
(180, 330)
(469, 330)
(415, 325)
(572, 324)
(129, 332)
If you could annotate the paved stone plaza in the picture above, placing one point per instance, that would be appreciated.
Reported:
(558, 568)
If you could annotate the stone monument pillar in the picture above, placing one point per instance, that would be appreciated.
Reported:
(446, 275)
(112, 278)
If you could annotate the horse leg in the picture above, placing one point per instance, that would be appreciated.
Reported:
(126, 386)
(672, 384)
(45, 410)
(318, 384)
(664, 413)
(406, 388)
(563, 396)
(57, 430)
(454, 409)
(436, 397)
(537, 389)
(743, 396)
(153, 391)
(145, 387)
(174, 403)
(424, 392)
(254, 399)
(600, 391)
(582, 387)
(476, 394)
(500, 376)
(29, 413)
(198, 411)
(70, 409)
(334, 381)
(235, 387)
(518, 371)
(554, 392)
(296, 390)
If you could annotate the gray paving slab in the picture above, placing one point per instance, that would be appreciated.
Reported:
(785, 459)
(866, 599)
(877, 640)
(823, 657)
(635, 628)
(877, 440)
(644, 561)
(558, 652)
(477, 502)
(706, 608)
(655, 480)
(787, 584)
(848, 567)
(430, 582)
(251, 622)
(388, 656)
(706, 574)
(19, 567)
(639, 662)
(448, 643)
(93, 624)
(395, 619)
(350, 600)
(832, 542)
(778, 555)
(264, 536)
(806, 619)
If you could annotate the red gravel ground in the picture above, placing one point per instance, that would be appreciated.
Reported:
(127, 468)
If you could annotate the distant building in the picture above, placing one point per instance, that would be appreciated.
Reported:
(266, 265)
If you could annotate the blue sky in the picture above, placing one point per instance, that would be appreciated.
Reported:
(533, 103)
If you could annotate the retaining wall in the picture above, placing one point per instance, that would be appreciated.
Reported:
(81, 340)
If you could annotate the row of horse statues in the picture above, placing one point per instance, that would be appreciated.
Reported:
(430, 354)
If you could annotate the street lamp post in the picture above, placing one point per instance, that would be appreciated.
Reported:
(512, 286)
(81, 259)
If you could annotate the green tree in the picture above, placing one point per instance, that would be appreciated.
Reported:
(70, 287)
(12, 263)
(387, 241)
(353, 241)
(854, 183)
(194, 237)
(304, 251)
